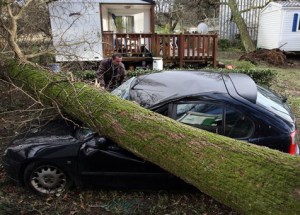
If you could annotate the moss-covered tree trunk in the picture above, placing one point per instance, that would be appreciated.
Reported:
(248, 178)
(240, 22)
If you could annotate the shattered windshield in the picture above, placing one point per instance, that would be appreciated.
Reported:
(123, 90)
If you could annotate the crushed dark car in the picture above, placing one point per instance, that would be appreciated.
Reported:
(51, 158)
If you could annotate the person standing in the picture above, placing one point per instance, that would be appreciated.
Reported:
(111, 72)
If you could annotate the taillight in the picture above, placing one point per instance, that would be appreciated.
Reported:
(293, 145)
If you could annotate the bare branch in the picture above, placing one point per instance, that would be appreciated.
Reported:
(19, 15)
(39, 54)
(251, 8)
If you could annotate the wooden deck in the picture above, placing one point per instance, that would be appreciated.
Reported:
(178, 49)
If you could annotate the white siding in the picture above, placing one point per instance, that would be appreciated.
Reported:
(289, 41)
(76, 30)
(269, 29)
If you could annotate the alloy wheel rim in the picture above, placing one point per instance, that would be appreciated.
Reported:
(48, 179)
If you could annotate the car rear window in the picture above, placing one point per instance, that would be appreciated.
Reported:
(274, 103)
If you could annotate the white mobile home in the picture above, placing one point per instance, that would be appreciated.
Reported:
(279, 26)
(78, 26)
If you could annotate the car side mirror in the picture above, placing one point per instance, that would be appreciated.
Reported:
(101, 142)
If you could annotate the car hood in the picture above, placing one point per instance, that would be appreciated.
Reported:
(26, 142)
(42, 146)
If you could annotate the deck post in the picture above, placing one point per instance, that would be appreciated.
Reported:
(215, 47)
(155, 48)
(181, 49)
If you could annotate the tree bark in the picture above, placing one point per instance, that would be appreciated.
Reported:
(240, 22)
(248, 178)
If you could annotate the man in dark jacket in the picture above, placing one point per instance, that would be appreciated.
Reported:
(111, 72)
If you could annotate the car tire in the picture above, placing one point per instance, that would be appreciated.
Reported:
(46, 179)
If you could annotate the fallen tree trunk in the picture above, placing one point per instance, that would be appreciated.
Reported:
(248, 178)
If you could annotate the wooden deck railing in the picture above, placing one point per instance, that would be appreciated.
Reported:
(176, 48)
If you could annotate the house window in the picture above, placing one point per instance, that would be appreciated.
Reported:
(296, 23)
(125, 24)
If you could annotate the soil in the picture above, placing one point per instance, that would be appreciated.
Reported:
(274, 57)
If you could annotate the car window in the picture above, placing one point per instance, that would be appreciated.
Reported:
(237, 125)
(274, 103)
(201, 115)
(123, 90)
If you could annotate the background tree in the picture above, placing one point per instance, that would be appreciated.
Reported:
(20, 27)
(171, 13)
(242, 26)
(168, 13)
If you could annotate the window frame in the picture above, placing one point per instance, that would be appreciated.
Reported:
(298, 29)
(296, 22)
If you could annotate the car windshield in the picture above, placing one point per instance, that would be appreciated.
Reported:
(274, 103)
(123, 90)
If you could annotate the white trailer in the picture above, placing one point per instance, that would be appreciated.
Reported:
(78, 26)
(279, 26)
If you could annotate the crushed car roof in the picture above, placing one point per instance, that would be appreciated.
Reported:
(155, 89)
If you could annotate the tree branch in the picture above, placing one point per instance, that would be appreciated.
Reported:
(251, 8)
(28, 56)
(19, 15)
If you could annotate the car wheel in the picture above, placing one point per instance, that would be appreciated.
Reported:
(46, 179)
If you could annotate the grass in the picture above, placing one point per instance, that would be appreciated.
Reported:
(17, 200)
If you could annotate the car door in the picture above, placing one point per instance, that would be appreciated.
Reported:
(103, 162)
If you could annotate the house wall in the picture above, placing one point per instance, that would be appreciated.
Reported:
(289, 40)
(76, 25)
(269, 29)
(70, 23)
